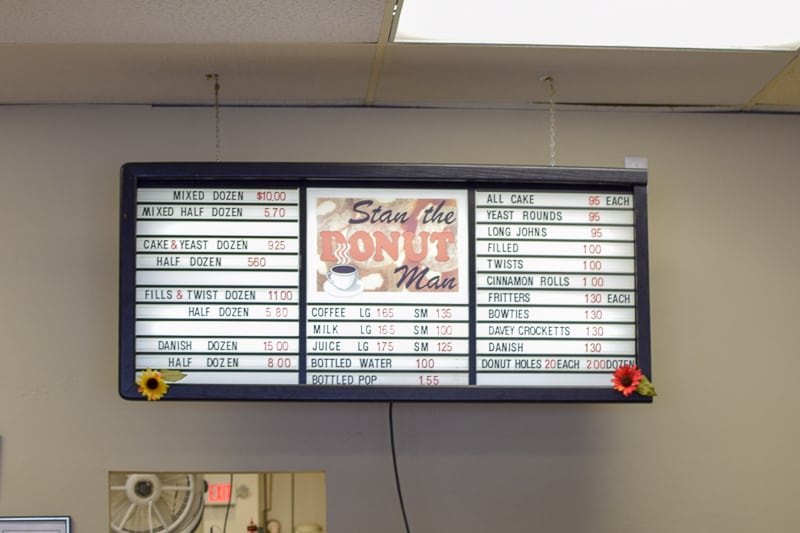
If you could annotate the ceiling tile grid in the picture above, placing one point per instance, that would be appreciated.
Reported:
(335, 52)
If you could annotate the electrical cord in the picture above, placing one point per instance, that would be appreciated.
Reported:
(228, 507)
(394, 464)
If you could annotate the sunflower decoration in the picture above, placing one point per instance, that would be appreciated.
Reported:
(629, 379)
(153, 384)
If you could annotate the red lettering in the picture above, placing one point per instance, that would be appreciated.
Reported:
(330, 241)
(442, 239)
(361, 246)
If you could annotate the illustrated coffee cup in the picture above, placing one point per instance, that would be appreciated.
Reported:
(343, 277)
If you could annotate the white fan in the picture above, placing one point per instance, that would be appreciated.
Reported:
(155, 502)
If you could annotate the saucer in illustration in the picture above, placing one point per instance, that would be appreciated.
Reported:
(333, 290)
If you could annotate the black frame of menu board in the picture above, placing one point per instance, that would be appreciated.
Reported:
(405, 181)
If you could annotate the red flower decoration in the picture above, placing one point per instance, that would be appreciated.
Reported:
(626, 379)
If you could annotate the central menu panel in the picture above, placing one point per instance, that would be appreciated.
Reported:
(387, 287)
(364, 282)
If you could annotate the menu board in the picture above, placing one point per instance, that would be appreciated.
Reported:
(383, 282)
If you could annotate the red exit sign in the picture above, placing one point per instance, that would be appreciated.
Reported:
(218, 494)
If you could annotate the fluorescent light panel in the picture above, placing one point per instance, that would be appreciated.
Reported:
(700, 24)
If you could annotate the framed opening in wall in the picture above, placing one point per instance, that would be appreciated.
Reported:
(31, 524)
(178, 502)
(315, 281)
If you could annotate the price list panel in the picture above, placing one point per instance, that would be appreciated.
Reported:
(292, 281)
(217, 284)
(555, 287)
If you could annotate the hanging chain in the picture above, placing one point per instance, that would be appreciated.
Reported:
(551, 83)
(215, 77)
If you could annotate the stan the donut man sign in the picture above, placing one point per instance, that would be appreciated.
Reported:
(387, 246)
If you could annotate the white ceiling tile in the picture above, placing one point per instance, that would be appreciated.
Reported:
(308, 74)
(190, 21)
(467, 75)
(784, 90)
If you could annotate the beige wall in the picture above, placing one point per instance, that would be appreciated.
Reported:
(717, 451)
